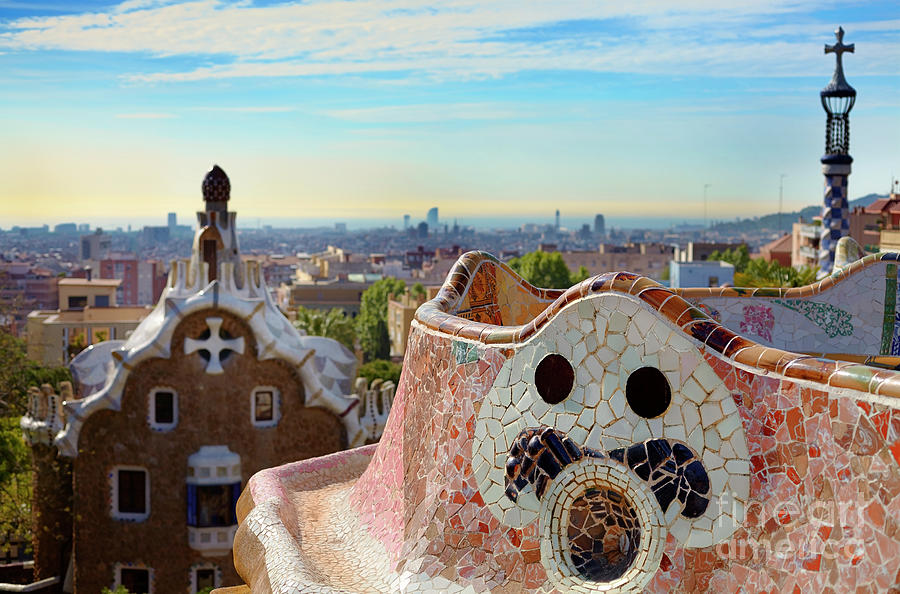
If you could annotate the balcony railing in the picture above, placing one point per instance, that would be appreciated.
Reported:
(810, 231)
(890, 240)
(809, 253)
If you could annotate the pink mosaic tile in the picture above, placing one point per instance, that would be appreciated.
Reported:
(612, 437)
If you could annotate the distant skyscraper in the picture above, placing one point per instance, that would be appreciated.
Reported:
(557, 219)
(423, 229)
(599, 225)
(405, 222)
(173, 220)
(432, 218)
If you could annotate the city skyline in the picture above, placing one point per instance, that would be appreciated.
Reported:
(369, 110)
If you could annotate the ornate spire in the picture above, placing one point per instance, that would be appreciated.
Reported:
(216, 186)
(839, 87)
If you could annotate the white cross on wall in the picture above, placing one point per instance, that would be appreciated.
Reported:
(214, 345)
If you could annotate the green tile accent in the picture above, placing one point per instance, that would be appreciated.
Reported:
(464, 352)
(890, 307)
(833, 320)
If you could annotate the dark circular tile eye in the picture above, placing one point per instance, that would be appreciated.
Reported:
(554, 378)
(648, 393)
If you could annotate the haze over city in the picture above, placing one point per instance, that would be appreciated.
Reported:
(363, 111)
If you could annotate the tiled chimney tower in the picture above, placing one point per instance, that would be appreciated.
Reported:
(837, 100)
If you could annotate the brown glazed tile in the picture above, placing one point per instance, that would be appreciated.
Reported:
(450, 324)
(815, 369)
(570, 296)
(655, 296)
(825, 283)
(623, 281)
(584, 287)
(770, 358)
(501, 335)
(854, 377)
(736, 292)
(768, 292)
(785, 360)
(603, 282)
(471, 330)
(692, 292)
(673, 307)
(889, 387)
(689, 315)
(736, 344)
(526, 331)
(719, 338)
(642, 283)
(805, 291)
(701, 329)
(487, 331)
(880, 376)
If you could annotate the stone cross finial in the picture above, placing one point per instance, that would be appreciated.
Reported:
(215, 345)
(838, 50)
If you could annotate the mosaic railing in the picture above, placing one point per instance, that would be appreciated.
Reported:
(612, 437)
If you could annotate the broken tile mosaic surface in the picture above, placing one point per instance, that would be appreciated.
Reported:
(741, 463)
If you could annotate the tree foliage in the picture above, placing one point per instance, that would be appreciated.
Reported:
(547, 270)
(330, 324)
(757, 272)
(417, 291)
(760, 273)
(17, 374)
(371, 323)
(380, 369)
(739, 257)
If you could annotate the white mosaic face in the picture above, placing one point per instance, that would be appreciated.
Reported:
(607, 338)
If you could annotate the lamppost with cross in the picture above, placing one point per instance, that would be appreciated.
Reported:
(837, 100)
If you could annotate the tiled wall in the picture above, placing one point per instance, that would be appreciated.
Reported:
(759, 469)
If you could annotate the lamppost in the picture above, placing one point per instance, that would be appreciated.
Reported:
(705, 209)
(837, 100)
(780, 201)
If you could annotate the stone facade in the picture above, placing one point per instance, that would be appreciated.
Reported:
(214, 411)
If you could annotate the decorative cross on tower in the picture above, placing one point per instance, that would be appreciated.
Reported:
(214, 345)
(838, 50)
(837, 99)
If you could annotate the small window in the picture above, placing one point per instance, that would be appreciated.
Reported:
(264, 404)
(215, 505)
(77, 301)
(163, 414)
(204, 577)
(101, 301)
(136, 581)
(131, 493)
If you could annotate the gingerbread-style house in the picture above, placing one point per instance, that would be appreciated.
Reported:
(213, 386)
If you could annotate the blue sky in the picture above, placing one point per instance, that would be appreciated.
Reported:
(112, 111)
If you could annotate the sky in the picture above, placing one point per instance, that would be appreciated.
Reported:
(337, 110)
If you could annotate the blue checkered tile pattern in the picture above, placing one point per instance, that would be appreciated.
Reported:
(835, 221)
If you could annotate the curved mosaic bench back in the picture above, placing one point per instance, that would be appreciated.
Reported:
(517, 310)
(852, 312)
(785, 468)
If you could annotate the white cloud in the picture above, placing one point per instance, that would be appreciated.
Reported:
(428, 113)
(144, 116)
(455, 39)
(250, 109)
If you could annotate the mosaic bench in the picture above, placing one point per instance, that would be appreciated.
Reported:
(612, 437)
